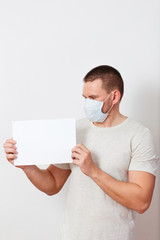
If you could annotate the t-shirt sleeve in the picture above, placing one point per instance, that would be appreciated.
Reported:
(144, 156)
(62, 165)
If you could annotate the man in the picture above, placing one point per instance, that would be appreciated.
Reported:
(114, 165)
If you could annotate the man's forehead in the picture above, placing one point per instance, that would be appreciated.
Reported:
(93, 88)
(96, 82)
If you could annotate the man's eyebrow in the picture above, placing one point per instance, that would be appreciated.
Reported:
(91, 96)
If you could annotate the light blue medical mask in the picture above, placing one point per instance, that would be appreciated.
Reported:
(92, 109)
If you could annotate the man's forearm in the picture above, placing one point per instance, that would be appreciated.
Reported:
(41, 179)
(129, 195)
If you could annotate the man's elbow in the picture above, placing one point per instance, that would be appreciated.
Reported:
(52, 192)
(142, 207)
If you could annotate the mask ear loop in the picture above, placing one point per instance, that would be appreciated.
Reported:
(107, 97)
(111, 106)
(110, 109)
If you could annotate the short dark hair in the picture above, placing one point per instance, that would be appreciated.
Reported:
(111, 78)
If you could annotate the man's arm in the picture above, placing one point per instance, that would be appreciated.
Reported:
(136, 194)
(49, 181)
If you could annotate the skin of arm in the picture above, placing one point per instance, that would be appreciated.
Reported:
(49, 181)
(135, 194)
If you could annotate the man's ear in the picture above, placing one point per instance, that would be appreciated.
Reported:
(116, 96)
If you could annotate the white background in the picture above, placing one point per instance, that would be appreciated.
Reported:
(46, 48)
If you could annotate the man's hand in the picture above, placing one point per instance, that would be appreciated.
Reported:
(10, 150)
(82, 157)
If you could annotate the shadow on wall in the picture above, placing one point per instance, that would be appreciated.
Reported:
(146, 110)
(147, 107)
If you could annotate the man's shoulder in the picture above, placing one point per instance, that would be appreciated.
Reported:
(137, 127)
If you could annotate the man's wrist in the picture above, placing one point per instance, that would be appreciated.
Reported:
(95, 172)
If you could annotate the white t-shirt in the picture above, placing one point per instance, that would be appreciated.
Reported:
(90, 214)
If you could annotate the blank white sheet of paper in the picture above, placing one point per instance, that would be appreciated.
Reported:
(44, 141)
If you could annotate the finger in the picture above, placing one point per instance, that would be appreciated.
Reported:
(11, 156)
(11, 140)
(76, 162)
(83, 147)
(11, 150)
(75, 156)
(7, 145)
(78, 150)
